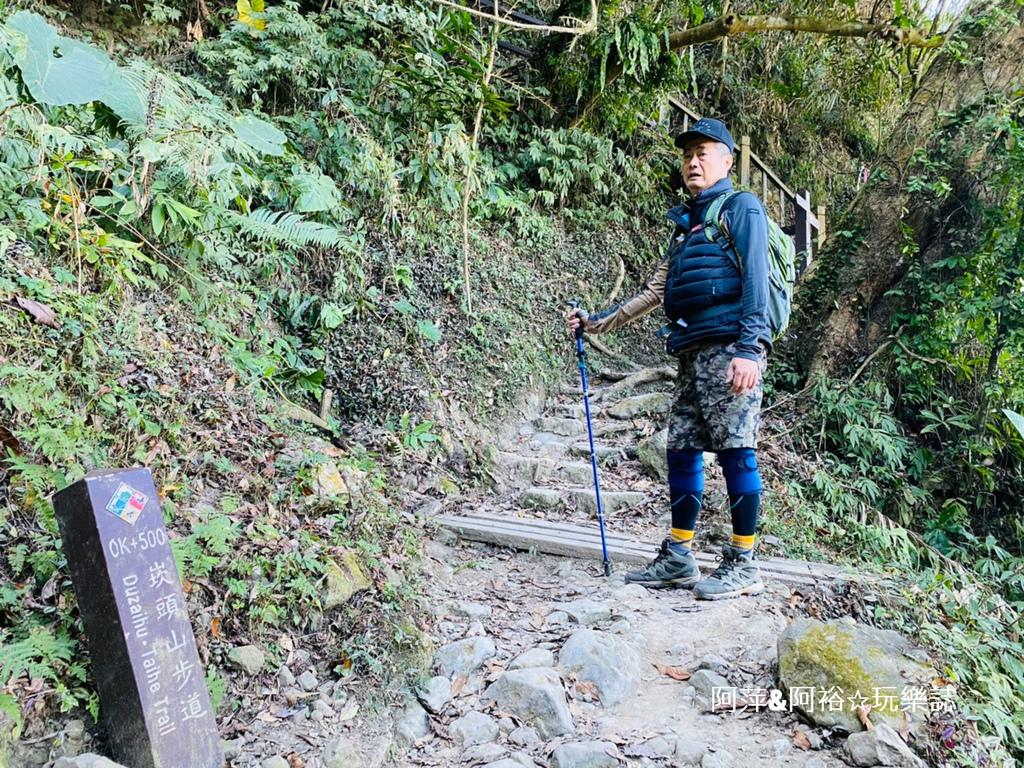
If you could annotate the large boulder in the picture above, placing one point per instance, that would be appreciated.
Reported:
(604, 660)
(473, 728)
(345, 577)
(331, 481)
(534, 696)
(651, 453)
(247, 658)
(464, 656)
(343, 753)
(586, 754)
(881, 746)
(842, 664)
(411, 723)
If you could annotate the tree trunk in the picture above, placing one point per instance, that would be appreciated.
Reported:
(848, 313)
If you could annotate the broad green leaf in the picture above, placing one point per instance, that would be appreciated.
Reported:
(332, 316)
(429, 330)
(78, 76)
(403, 306)
(159, 218)
(245, 11)
(260, 135)
(316, 193)
(1016, 419)
(124, 94)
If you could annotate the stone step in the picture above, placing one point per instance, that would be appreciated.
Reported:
(568, 410)
(525, 471)
(561, 426)
(605, 453)
(547, 444)
(541, 498)
(653, 404)
(574, 473)
(611, 501)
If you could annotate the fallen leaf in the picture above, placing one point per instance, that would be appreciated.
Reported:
(800, 740)
(862, 715)
(40, 312)
(215, 627)
(9, 441)
(50, 588)
(457, 685)
(905, 728)
(349, 712)
(294, 761)
(676, 673)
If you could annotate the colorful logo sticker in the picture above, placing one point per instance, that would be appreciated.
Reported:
(127, 503)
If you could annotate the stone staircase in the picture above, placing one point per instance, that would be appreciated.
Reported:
(544, 483)
(549, 466)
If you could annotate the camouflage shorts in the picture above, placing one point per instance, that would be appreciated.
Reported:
(705, 414)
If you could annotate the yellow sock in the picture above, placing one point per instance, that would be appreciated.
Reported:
(743, 543)
(679, 536)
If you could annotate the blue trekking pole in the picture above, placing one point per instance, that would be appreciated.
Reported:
(590, 433)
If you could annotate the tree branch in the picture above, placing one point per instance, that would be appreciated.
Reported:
(740, 24)
(584, 28)
(645, 376)
(605, 349)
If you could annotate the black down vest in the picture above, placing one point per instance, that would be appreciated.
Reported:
(701, 275)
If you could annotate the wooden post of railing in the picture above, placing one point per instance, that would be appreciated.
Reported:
(745, 161)
(821, 226)
(803, 235)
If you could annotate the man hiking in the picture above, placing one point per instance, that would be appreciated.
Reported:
(717, 305)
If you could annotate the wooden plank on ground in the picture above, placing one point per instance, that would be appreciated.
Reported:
(573, 541)
(569, 531)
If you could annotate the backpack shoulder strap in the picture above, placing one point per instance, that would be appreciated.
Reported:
(718, 233)
(713, 214)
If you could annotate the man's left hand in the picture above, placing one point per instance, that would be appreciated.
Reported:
(743, 374)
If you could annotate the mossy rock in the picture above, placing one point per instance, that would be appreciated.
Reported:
(345, 577)
(651, 453)
(851, 661)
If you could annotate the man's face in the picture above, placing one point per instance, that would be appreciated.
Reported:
(705, 162)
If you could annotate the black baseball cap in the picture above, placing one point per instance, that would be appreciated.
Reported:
(707, 128)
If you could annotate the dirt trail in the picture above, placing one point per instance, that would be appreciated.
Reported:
(662, 722)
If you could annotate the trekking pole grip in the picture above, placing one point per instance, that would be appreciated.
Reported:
(575, 306)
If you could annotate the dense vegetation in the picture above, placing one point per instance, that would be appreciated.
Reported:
(370, 197)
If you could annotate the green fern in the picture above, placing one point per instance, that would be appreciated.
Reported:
(37, 655)
(9, 704)
(286, 228)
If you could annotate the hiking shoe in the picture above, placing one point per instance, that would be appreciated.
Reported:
(671, 568)
(737, 575)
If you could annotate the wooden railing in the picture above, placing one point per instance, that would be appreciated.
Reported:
(808, 227)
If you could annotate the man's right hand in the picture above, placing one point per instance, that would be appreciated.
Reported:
(576, 318)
